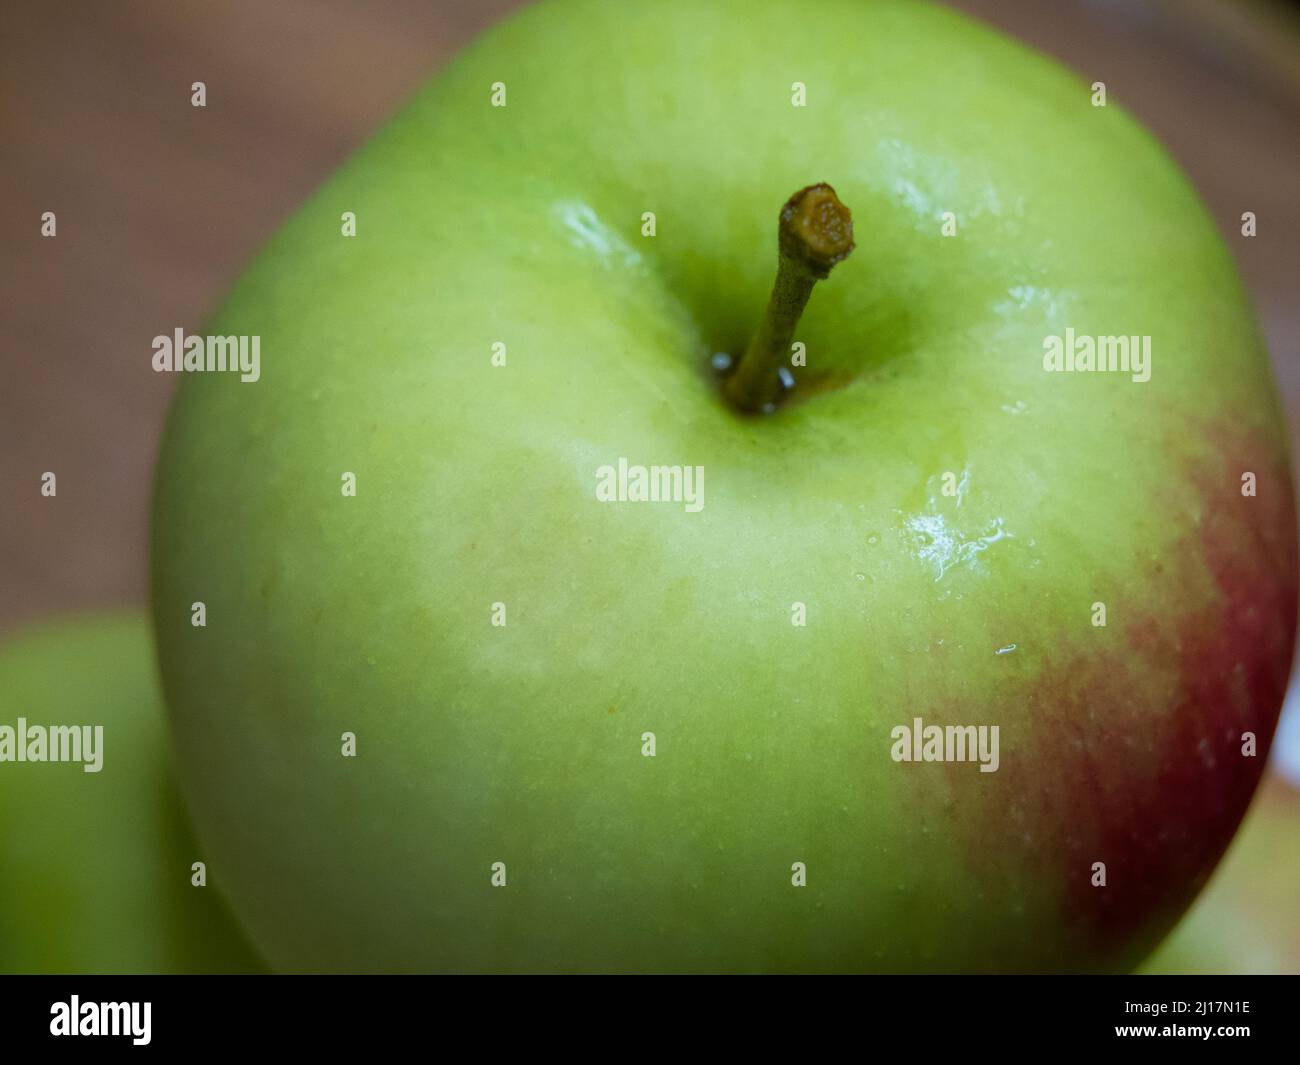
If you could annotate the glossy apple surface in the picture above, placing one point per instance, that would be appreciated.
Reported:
(95, 867)
(523, 225)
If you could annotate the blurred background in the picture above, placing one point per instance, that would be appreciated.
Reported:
(160, 204)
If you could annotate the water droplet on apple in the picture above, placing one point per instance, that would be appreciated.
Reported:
(721, 362)
(787, 378)
(1005, 650)
(873, 538)
(860, 576)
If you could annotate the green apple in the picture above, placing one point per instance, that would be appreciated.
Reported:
(1248, 919)
(96, 855)
(631, 735)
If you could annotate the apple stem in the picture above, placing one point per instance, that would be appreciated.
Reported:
(815, 232)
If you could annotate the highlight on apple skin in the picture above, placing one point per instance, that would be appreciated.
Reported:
(445, 707)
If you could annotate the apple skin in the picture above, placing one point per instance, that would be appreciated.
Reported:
(475, 484)
(1248, 918)
(95, 867)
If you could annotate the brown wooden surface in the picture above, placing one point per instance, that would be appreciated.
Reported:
(160, 204)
